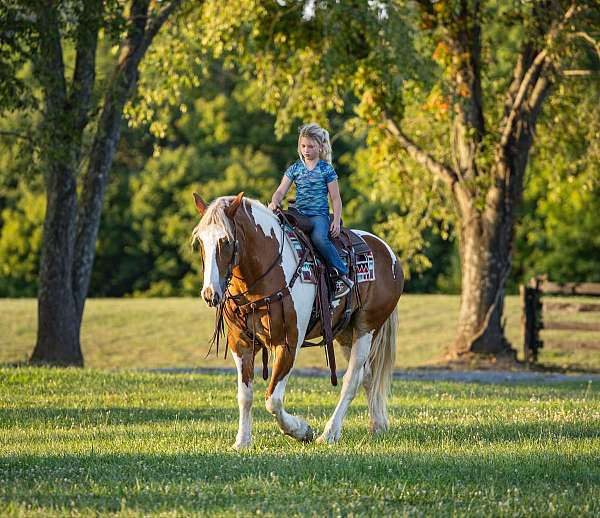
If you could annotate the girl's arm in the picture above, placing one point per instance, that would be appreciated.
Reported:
(336, 202)
(280, 193)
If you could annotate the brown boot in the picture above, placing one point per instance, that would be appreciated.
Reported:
(343, 285)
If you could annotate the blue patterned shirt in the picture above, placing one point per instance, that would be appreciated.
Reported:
(311, 186)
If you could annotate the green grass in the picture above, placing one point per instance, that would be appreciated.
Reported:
(101, 443)
(149, 333)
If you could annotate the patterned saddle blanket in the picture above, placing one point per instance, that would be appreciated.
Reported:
(353, 250)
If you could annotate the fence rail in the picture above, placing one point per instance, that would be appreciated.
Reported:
(591, 289)
(534, 309)
(573, 344)
(575, 307)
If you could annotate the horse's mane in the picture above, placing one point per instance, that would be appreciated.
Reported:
(215, 215)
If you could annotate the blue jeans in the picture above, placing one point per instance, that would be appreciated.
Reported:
(319, 235)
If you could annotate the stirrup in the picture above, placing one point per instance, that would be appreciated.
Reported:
(343, 285)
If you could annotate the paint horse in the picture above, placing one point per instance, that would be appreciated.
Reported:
(248, 259)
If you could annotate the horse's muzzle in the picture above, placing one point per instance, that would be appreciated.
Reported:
(210, 296)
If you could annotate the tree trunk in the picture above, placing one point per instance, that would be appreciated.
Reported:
(62, 128)
(58, 329)
(70, 230)
(485, 263)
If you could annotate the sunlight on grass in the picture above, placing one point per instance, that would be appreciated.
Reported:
(151, 333)
(86, 442)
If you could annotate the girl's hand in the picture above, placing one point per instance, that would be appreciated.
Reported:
(334, 228)
(280, 193)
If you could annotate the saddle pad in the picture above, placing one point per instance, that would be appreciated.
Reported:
(357, 242)
(365, 263)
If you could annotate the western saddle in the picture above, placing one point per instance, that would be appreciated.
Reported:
(349, 245)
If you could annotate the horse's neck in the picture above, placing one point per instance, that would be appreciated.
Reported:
(260, 250)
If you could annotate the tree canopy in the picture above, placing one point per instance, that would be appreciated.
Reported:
(460, 128)
(448, 94)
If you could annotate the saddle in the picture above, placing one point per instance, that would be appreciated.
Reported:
(348, 242)
(349, 245)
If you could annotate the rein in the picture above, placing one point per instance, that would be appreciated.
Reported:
(242, 309)
(238, 313)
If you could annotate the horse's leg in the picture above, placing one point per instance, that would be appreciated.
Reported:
(359, 356)
(244, 361)
(378, 418)
(290, 425)
(344, 342)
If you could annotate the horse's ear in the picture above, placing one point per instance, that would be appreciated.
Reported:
(233, 206)
(200, 204)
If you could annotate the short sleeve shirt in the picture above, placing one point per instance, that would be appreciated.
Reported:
(311, 186)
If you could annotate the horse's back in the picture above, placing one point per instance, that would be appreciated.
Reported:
(382, 294)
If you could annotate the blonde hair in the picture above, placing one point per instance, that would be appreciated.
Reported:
(320, 136)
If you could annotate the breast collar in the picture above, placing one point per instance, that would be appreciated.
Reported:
(236, 314)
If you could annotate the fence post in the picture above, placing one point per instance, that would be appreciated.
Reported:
(531, 319)
(526, 322)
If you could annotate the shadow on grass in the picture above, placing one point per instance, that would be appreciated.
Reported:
(27, 416)
(404, 427)
(312, 476)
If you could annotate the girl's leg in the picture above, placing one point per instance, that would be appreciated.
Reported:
(320, 238)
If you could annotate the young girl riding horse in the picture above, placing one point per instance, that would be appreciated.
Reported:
(249, 268)
(315, 178)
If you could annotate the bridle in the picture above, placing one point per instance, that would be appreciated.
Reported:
(241, 308)
(237, 312)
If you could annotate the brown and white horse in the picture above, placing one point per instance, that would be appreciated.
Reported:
(248, 257)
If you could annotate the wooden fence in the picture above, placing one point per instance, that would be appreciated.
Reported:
(534, 309)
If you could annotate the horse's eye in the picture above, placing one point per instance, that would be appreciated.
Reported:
(225, 245)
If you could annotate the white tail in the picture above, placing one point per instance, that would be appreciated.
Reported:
(381, 361)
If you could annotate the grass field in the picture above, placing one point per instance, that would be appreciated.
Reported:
(150, 333)
(108, 443)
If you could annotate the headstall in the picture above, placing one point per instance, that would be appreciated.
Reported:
(238, 314)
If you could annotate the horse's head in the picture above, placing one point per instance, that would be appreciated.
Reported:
(218, 244)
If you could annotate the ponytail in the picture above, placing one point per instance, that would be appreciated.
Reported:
(320, 136)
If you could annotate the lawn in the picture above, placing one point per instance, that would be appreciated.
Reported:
(123, 443)
(150, 333)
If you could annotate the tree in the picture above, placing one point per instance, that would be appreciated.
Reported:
(485, 68)
(559, 234)
(57, 37)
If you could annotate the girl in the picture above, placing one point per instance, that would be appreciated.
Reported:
(315, 178)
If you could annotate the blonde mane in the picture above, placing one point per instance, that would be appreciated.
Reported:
(215, 215)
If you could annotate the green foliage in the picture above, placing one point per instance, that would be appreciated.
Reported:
(16, 44)
(20, 243)
(415, 204)
(213, 142)
(225, 81)
(560, 230)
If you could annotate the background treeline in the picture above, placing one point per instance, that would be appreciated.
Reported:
(216, 141)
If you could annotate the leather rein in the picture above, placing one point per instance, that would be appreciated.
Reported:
(240, 311)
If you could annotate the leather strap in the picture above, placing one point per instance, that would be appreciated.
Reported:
(323, 297)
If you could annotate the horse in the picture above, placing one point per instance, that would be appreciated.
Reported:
(249, 263)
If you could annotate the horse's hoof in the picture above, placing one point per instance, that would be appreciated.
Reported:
(309, 436)
(329, 437)
(241, 445)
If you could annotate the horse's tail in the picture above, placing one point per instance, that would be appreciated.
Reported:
(381, 361)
